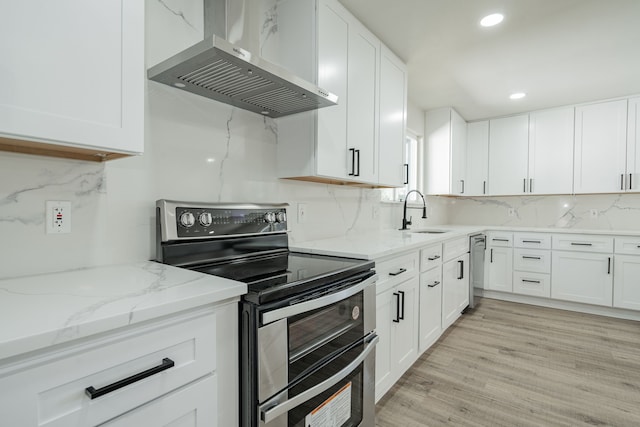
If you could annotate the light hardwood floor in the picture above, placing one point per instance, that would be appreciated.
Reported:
(508, 364)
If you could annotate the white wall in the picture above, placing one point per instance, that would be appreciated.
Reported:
(415, 119)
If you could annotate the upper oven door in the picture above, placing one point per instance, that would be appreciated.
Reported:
(295, 338)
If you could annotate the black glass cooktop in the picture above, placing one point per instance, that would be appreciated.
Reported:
(286, 274)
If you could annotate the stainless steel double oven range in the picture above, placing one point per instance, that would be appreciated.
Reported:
(307, 323)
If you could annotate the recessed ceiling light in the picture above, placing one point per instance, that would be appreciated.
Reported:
(517, 95)
(491, 20)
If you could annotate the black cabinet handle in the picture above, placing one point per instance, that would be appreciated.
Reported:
(530, 257)
(402, 305)
(358, 162)
(524, 185)
(462, 183)
(435, 257)
(491, 257)
(353, 161)
(500, 240)
(609, 265)
(436, 283)
(630, 182)
(397, 319)
(581, 244)
(484, 187)
(461, 264)
(532, 241)
(531, 281)
(400, 271)
(621, 181)
(406, 173)
(93, 393)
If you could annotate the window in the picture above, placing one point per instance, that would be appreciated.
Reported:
(413, 170)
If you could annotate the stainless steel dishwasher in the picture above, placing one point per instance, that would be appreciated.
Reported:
(477, 248)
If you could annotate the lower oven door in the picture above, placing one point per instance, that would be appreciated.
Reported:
(335, 392)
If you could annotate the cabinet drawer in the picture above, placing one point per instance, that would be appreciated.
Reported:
(532, 240)
(535, 284)
(52, 392)
(396, 270)
(582, 243)
(532, 260)
(455, 248)
(430, 257)
(496, 238)
(627, 245)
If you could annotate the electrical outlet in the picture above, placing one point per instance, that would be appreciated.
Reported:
(594, 213)
(375, 212)
(302, 213)
(512, 212)
(58, 216)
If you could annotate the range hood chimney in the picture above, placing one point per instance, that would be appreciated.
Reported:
(224, 66)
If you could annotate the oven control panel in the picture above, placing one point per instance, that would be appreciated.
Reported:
(194, 222)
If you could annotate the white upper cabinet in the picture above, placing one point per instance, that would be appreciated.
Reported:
(73, 78)
(393, 118)
(551, 151)
(446, 155)
(340, 144)
(508, 155)
(477, 158)
(600, 147)
(633, 146)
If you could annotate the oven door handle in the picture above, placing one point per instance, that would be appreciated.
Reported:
(275, 407)
(303, 307)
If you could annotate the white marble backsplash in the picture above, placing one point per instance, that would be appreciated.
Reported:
(599, 212)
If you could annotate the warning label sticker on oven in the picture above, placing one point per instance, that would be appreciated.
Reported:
(334, 411)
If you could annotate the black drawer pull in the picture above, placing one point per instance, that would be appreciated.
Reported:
(435, 257)
(93, 393)
(531, 241)
(500, 240)
(581, 244)
(531, 281)
(434, 284)
(395, 273)
(397, 319)
(530, 257)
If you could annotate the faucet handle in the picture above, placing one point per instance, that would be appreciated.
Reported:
(409, 220)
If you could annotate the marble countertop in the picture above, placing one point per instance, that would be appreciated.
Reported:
(49, 309)
(375, 245)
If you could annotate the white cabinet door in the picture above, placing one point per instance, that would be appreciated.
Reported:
(385, 312)
(477, 173)
(430, 307)
(446, 140)
(362, 124)
(551, 151)
(73, 73)
(626, 284)
(393, 118)
(191, 406)
(582, 277)
(455, 289)
(633, 146)
(333, 158)
(600, 147)
(405, 331)
(508, 153)
(499, 269)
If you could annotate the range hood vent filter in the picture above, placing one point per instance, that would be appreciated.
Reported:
(217, 69)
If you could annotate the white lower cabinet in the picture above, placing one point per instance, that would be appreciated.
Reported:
(582, 277)
(396, 319)
(191, 406)
(626, 284)
(455, 289)
(176, 361)
(499, 269)
(430, 307)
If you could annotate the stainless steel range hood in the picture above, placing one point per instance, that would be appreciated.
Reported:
(221, 66)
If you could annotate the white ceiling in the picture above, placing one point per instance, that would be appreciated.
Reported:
(557, 51)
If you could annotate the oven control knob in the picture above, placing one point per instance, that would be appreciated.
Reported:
(187, 219)
(205, 219)
(270, 217)
(281, 217)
